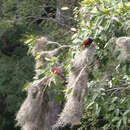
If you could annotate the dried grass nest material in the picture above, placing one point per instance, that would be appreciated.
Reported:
(77, 83)
(31, 114)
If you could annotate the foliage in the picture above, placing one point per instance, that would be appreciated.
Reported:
(21, 22)
(101, 20)
(106, 105)
(13, 74)
(16, 69)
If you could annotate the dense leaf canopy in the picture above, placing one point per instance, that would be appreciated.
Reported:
(107, 102)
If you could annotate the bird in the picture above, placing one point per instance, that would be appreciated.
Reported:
(57, 71)
(87, 42)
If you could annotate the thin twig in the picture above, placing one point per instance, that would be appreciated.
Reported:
(51, 19)
(53, 52)
(119, 88)
(51, 42)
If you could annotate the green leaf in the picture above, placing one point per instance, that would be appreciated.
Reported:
(26, 85)
(115, 119)
(37, 55)
(98, 109)
(28, 41)
(47, 59)
(90, 104)
(95, 96)
(114, 99)
(117, 112)
(65, 8)
(123, 100)
(124, 120)
(119, 123)
(69, 91)
(111, 107)
(126, 112)
(54, 81)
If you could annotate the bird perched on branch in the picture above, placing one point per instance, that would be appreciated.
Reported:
(58, 72)
(55, 70)
(87, 42)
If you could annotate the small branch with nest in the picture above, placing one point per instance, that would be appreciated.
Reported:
(53, 52)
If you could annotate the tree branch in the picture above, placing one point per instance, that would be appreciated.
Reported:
(126, 87)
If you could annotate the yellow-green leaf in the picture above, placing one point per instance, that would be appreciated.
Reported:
(65, 8)
(25, 86)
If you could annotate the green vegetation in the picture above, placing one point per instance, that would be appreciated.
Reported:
(14, 73)
(107, 104)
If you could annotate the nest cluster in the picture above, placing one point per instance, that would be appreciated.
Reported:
(38, 112)
(77, 84)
